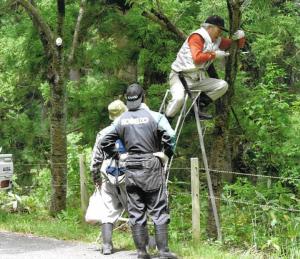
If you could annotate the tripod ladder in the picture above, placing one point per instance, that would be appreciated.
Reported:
(193, 94)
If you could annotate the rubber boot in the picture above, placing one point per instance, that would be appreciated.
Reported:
(107, 246)
(203, 101)
(141, 239)
(161, 237)
(204, 116)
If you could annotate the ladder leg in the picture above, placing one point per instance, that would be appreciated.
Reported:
(178, 128)
(209, 183)
(163, 104)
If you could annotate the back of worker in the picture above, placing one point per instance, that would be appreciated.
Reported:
(144, 133)
(140, 138)
(143, 130)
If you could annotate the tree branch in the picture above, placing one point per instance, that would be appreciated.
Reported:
(153, 18)
(76, 32)
(39, 21)
(168, 24)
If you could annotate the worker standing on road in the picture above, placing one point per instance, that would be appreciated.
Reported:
(197, 53)
(108, 175)
(149, 141)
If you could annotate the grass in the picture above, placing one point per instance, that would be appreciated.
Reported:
(44, 225)
(68, 226)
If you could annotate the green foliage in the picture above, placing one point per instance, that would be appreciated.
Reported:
(269, 120)
(88, 104)
(261, 216)
(23, 129)
(42, 188)
(74, 150)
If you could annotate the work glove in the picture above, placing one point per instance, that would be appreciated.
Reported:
(123, 157)
(162, 156)
(221, 54)
(239, 34)
(97, 179)
(122, 161)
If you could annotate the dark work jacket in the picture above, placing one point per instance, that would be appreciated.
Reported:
(142, 131)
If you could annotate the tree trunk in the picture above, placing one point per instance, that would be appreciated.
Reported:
(220, 157)
(58, 145)
(55, 77)
(58, 122)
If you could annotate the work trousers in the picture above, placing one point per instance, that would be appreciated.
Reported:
(114, 200)
(212, 87)
(146, 190)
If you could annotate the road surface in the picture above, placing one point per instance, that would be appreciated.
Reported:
(23, 246)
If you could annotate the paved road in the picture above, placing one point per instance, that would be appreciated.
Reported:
(21, 246)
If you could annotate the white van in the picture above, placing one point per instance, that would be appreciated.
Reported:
(6, 171)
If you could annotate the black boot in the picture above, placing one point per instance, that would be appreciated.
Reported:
(161, 236)
(107, 246)
(203, 101)
(141, 239)
(204, 116)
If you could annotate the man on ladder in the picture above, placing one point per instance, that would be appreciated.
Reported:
(188, 76)
(197, 53)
